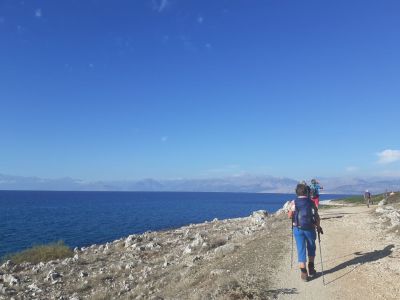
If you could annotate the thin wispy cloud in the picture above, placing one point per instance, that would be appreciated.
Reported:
(351, 169)
(200, 19)
(188, 44)
(164, 139)
(388, 156)
(160, 5)
(38, 13)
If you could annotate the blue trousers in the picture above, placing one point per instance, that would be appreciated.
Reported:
(305, 239)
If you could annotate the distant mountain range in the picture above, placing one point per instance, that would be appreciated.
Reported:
(244, 183)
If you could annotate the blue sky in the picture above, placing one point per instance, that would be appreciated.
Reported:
(178, 88)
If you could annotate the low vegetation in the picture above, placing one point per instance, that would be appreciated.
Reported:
(42, 253)
(393, 198)
(360, 199)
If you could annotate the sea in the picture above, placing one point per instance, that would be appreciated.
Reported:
(29, 218)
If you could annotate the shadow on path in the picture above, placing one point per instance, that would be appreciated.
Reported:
(333, 259)
(361, 258)
(335, 217)
(340, 213)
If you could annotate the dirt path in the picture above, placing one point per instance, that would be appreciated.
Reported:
(360, 260)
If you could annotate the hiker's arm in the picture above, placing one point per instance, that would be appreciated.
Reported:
(316, 215)
(290, 212)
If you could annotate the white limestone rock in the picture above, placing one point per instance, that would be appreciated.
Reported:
(53, 276)
(34, 288)
(259, 217)
(11, 279)
(130, 266)
(382, 202)
(197, 242)
(8, 265)
(224, 250)
(187, 250)
(83, 274)
(284, 209)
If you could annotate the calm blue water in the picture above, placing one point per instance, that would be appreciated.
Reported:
(84, 218)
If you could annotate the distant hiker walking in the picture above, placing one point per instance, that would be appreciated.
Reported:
(314, 191)
(367, 198)
(306, 221)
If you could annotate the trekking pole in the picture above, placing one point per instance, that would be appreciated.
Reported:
(320, 255)
(291, 252)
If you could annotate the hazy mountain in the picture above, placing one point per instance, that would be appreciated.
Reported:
(244, 183)
(359, 185)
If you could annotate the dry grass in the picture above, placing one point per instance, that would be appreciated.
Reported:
(394, 198)
(102, 296)
(42, 253)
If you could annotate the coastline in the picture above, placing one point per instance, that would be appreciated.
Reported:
(155, 264)
(241, 258)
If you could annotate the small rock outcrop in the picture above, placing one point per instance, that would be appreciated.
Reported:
(389, 212)
(259, 217)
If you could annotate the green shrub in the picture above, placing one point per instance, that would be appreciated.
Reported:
(353, 199)
(42, 253)
(360, 199)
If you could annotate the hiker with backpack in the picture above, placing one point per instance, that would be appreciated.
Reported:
(314, 191)
(306, 222)
(367, 197)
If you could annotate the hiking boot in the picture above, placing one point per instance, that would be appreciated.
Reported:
(311, 269)
(304, 275)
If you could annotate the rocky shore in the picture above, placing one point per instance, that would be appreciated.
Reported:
(173, 264)
(242, 258)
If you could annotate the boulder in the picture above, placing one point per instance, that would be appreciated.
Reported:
(166, 262)
(130, 266)
(10, 279)
(53, 276)
(33, 287)
(259, 217)
(152, 246)
(224, 250)
(8, 265)
(187, 250)
(197, 242)
(83, 274)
